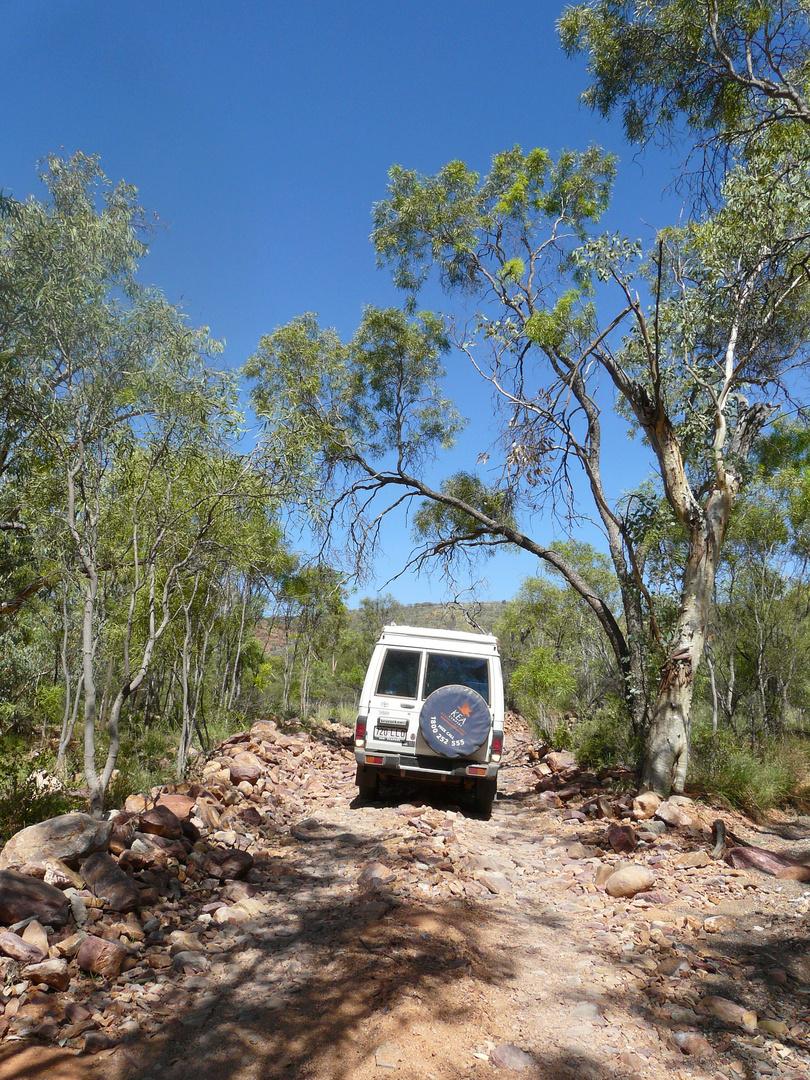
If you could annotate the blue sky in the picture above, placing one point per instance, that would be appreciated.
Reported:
(261, 134)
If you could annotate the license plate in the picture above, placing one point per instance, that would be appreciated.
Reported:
(388, 735)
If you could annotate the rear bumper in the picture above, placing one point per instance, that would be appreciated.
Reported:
(422, 767)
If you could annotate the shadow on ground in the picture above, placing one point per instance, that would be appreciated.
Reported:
(762, 966)
(325, 977)
(439, 796)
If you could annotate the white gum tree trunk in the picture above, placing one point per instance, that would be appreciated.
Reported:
(667, 755)
(667, 752)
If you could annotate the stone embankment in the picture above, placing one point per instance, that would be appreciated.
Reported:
(260, 924)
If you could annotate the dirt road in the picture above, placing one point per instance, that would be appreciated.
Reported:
(410, 939)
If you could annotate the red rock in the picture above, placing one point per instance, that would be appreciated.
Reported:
(68, 837)
(161, 821)
(729, 1011)
(13, 945)
(228, 864)
(239, 890)
(199, 791)
(265, 730)
(123, 831)
(245, 767)
(180, 805)
(694, 859)
(68, 947)
(106, 879)
(22, 896)
(622, 838)
(692, 1043)
(560, 760)
(570, 791)
(208, 814)
(549, 799)
(101, 957)
(741, 858)
(53, 973)
(251, 816)
(53, 871)
(76, 1013)
(35, 934)
(132, 861)
(162, 846)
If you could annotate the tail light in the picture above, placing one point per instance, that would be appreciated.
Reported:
(496, 749)
(360, 731)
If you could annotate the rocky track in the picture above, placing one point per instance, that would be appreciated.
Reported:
(410, 939)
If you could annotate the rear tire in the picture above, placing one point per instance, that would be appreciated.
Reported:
(368, 783)
(484, 795)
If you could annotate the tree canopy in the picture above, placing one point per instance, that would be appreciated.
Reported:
(732, 73)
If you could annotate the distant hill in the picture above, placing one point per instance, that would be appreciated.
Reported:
(449, 616)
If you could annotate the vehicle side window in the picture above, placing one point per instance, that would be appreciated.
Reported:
(400, 674)
(446, 670)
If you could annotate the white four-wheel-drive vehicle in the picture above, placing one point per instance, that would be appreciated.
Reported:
(432, 709)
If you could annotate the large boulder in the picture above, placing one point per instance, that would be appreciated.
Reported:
(22, 896)
(106, 879)
(101, 957)
(629, 880)
(228, 864)
(69, 837)
(245, 766)
(161, 821)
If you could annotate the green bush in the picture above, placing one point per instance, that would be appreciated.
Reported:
(541, 682)
(606, 739)
(345, 714)
(561, 736)
(22, 803)
(753, 780)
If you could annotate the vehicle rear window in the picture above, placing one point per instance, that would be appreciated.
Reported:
(443, 669)
(400, 673)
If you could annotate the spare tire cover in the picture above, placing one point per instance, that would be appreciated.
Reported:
(454, 721)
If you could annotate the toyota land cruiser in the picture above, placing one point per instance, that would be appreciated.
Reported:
(432, 709)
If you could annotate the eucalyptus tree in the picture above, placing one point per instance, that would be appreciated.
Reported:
(309, 608)
(111, 404)
(697, 377)
(220, 594)
(731, 74)
(362, 419)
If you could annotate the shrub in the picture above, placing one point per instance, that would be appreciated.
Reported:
(22, 801)
(542, 683)
(605, 739)
(753, 780)
(561, 736)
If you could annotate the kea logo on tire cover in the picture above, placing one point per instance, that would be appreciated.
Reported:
(454, 721)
